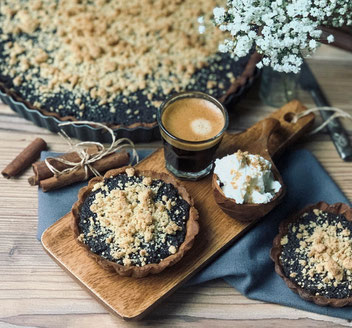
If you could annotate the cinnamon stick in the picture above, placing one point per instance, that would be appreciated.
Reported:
(114, 160)
(41, 171)
(25, 158)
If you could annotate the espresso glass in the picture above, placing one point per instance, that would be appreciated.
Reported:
(190, 160)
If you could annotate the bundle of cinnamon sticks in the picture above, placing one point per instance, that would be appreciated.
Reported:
(48, 181)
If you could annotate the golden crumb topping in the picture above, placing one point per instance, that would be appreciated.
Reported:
(105, 48)
(328, 251)
(130, 218)
(323, 251)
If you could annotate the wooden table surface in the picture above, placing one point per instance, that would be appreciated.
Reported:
(35, 292)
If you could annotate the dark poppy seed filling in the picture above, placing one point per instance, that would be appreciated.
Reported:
(317, 254)
(126, 113)
(143, 220)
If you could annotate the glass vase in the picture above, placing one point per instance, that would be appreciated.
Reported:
(277, 88)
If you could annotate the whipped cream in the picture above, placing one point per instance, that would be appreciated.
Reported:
(246, 178)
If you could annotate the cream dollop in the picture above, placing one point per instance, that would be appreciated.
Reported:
(246, 178)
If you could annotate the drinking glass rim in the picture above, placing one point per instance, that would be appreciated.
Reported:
(202, 94)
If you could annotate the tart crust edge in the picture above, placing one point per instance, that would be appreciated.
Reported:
(247, 74)
(338, 209)
(192, 226)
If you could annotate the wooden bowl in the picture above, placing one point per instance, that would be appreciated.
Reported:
(255, 143)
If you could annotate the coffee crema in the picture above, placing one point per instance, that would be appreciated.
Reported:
(193, 119)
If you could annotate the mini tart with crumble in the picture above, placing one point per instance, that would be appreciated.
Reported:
(313, 254)
(135, 222)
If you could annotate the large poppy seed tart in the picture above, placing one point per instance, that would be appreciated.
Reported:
(135, 222)
(109, 61)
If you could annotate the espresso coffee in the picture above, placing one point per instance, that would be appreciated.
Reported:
(192, 128)
(193, 119)
(188, 160)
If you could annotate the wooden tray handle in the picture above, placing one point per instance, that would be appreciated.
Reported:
(258, 141)
(269, 126)
(281, 137)
(289, 132)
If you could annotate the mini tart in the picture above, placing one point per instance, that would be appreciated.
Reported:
(313, 254)
(135, 222)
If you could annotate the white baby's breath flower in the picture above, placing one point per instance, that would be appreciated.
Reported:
(266, 61)
(222, 27)
(312, 44)
(201, 29)
(279, 30)
(330, 38)
(219, 14)
(315, 34)
(200, 20)
(223, 48)
(252, 34)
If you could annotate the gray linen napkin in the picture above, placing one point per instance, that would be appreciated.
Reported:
(246, 265)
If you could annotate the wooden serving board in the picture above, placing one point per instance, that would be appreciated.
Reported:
(131, 298)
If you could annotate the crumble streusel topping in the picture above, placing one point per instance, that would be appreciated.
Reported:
(317, 254)
(102, 48)
(133, 220)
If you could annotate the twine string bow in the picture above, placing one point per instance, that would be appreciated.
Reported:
(337, 113)
(87, 160)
